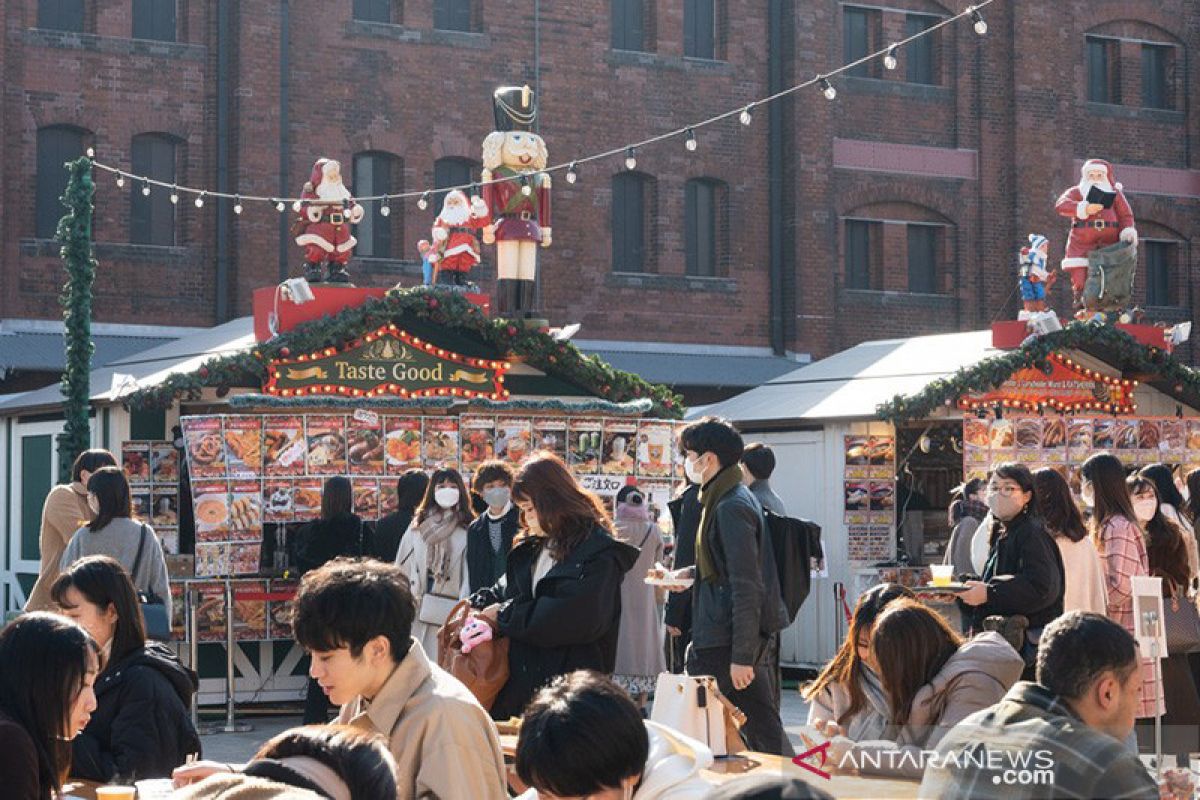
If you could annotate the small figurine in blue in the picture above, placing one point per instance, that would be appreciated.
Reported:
(1035, 278)
(426, 250)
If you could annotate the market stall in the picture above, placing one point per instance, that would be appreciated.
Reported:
(869, 442)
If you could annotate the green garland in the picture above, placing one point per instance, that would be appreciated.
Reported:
(75, 235)
(447, 310)
(1113, 343)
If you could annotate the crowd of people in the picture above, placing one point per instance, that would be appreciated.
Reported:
(1043, 661)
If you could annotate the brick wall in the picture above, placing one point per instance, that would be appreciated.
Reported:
(1013, 104)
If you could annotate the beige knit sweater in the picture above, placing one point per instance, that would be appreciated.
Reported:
(64, 512)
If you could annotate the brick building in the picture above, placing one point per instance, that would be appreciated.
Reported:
(901, 202)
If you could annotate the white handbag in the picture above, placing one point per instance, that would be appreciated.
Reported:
(694, 706)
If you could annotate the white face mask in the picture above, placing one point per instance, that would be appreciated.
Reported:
(446, 497)
(692, 470)
(1144, 510)
(1087, 495)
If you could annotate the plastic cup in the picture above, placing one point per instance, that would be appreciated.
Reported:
(115, 793)
(943, 574)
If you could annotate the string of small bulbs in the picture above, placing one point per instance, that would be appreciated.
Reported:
(744, 114)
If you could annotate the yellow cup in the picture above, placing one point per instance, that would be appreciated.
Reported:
(115, 793)
(943, 574)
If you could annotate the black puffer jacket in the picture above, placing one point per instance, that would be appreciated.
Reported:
(141, 727)
(1024, 573)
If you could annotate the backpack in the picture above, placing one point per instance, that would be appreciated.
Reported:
(796, 545)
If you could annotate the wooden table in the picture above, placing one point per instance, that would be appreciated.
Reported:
(849, 787)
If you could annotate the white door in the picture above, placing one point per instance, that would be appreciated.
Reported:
(33, 455)
(799, 479)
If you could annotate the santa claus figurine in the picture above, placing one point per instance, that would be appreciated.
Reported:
(1100, 217)
(324, 216)
(455, 241)
(517, 194)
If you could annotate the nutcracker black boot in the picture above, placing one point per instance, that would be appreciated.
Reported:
(506, 298)
(527, 290)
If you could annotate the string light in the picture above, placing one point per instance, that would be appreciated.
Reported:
(385, 210)
(91, 152)
(747, 115)
(174, 195)
(980, 23)
(630, 159)
(526, 189)
(690, 140)
(120, 181)
(572, 173)
(200, 200)
(827, 89)
(889, 60)
(280, 206)
(145, 188)
(237, 205)
(423, 203)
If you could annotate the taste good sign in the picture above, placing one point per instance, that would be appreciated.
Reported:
(1069, 386)
(387, 362)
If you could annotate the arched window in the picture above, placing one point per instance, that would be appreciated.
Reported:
(632, 195)
(911, 240)
(704, 227)
(450, 171)
(377, 173)
(60, 15)
(152, 217)
(56, 145)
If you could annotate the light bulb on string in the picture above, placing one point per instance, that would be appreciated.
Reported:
(526, 189)
(280, 206)
(200, 200)
(889, 60)
(827, 89)
(120, 181)
(572, 173)
(174, 195)
(237, 205)
(385, 210)
(423, 203)
(630, 159)
(145, 188)
(747, 115)
(296, 206)
(91, 152)
(689, 141)
(981, 27)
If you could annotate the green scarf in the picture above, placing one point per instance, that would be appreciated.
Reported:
(722, 484)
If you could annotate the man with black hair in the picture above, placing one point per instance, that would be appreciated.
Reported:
(1071, 725)
(758, 463)
(354, 617)
(490, 536)
(737, 607)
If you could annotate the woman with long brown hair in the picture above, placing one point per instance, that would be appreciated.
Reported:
(560, 601)
(1083, 572)
(847, 696)
(933, 680)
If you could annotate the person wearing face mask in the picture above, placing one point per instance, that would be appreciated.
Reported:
(1166, 553)
(433, 554)
(490, 536)
(1023, 574)
(639, 650)
(65, 509)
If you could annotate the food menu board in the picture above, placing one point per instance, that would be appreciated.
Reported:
(152, 468)
(1066, 442)
(869, 485)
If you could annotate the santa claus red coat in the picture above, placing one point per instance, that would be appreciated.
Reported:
(458, 251)
(327, 235)
(1092, 231)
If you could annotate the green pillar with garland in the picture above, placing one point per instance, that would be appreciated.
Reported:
(75, 235)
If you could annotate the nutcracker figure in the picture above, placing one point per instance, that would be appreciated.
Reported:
(517, 195)
(322, 224)
(1102, 244)
(455, 242)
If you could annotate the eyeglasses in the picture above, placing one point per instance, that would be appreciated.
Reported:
(1007, 490)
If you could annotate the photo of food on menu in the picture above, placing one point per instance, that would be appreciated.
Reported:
(478, 440)
(326, 437)
(402, 448)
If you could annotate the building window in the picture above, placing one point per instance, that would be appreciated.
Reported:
(1158, 63)
(920, 63)
(452, 15)
(922, 258)
(154, 19)
(152, 218)
(629, 222)
(862, 28)
(373, 11)
(449, 172)
(55, 146)
(700, 28)
(628, 25)
(1160, 262)
(862, 238)
(1103, 70)
(60, 15)
(376, 174)
(702, 224)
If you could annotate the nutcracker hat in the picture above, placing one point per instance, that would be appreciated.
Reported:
(1094, 163)
(514, 108)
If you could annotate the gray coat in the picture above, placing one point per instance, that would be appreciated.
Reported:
(120, 539)
(767, 498)
(742, 606)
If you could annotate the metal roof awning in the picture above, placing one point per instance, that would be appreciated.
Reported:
(696, 369)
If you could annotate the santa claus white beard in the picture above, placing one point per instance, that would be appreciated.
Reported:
(1086, 186)
(455, 214)
(333, 190)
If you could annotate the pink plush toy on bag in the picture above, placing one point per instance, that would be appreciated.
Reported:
(475, 632)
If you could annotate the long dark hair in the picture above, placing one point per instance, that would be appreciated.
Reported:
(90, 461)
(336, 497)
(103, 581)
(844, 666)
(44, 659)
(1166, 551)
(410, 489)
(566, 511)
(911, 644)
(1110, 494)
(111, 488)
(360, 758)
(1056, 506)
(429, 502)
(1193, 502)
(1164, 484)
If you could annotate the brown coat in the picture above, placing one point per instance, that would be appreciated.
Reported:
(446, 746)
(65, 511)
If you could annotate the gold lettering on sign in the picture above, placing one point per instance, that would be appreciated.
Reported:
(304, 374)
